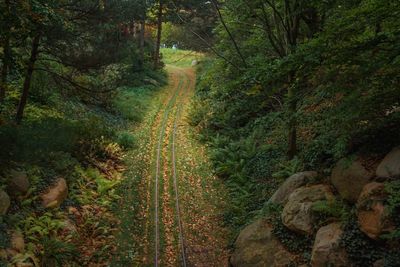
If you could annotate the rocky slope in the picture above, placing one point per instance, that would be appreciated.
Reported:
(356, 225)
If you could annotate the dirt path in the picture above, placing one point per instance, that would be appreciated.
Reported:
(176, 201)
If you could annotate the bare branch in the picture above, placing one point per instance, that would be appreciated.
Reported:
(73, 83)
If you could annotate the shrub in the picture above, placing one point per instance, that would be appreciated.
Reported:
(4, 236)
(126, 140)
(393, 204)
(35, 227)
(57, 253)
(131, 103)
(326, 210)
(360, 249)
(288, 168)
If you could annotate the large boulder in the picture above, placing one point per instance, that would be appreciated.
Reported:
(349, 178)
(390, 165)
(257, 247)
(4, 202)
(379, 263)
(297, 214)
(327, 250)
(292, 183)
(17, 245)
(55, 195)
(18, 183)
(17, 242)
(7, 254)
(373, 217)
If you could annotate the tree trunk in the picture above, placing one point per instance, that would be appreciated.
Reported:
(142, 43)
(6, 57)
(5, 69)
(28, 78)
(159, 31)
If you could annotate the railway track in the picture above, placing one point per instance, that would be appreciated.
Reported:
(173, 103)
(170, 215)
(175, 179)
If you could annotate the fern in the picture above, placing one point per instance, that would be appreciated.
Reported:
(331, 208)
(288, 168)
(57, 253)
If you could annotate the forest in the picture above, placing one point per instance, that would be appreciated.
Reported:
(200, 133)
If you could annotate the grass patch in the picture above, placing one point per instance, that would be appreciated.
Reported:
(140, 107)
(84, 141)
(180, 58)
(131, 103)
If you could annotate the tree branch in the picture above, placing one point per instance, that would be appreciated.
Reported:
(272, 5)
(73, 83)
(206, 42)
(229, 32)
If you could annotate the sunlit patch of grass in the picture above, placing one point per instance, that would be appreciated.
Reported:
(180, 58)
(138, 162)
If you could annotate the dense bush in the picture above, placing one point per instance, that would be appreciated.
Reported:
(57, 253)
(4, 236)
(361, 249)
(393, 205)
(126, 140)
(335, 85)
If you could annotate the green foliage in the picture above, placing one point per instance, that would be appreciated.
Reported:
(295, 243)
(360, 249)
(229, 158)
(393, 189)
(4, 236)
(364, 251)
(288, 168)
(103, 185)
(325, 84)
(57, 253)
(174, 34)
(391, 259)
(327, 210)
(37, 227)
(131, 103)
(126, 140)
(393, 206)
(87, 55)
(246, 172)
(180, 58)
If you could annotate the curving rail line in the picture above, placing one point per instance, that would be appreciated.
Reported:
(170, 105)
(175, 180)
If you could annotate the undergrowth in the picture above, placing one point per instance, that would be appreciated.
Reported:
(83, 141)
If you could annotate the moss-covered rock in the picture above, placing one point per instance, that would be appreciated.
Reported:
(257, 246)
